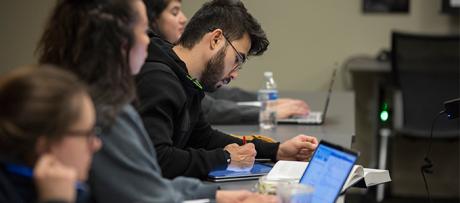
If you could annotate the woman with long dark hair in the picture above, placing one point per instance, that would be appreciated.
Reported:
(105, 42)
(46, 136)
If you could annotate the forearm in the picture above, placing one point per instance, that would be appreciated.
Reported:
(218, 139)
(266, 149)
(212, 139)
(194, 189)
(219, 111)
(234, 94)
(116, 178)
(189, 162)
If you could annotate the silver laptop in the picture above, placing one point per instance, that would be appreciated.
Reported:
(314, 117)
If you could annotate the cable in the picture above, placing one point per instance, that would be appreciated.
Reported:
(427, 167)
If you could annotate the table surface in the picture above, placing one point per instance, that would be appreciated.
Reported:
(338, 128)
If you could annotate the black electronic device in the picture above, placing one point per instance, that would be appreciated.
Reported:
(452, 108)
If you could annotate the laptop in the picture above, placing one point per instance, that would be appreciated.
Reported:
(328, 170)
(314, 117)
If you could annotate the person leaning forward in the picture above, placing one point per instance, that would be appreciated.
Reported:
(171, 85)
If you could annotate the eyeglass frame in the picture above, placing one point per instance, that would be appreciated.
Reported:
(241, 58)
(91, 135)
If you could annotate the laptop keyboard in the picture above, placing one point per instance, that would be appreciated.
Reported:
(312, 116)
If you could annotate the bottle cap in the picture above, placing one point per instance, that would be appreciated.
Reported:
(268, 74)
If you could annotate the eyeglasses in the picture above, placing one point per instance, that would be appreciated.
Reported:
(91, 135)
(240, 58)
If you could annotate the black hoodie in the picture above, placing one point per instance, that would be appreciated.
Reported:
(170, 106)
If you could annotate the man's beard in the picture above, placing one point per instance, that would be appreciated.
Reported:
(213, 72)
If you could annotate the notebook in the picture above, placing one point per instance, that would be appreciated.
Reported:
(259, 169)
(328, 171)
(314, 117)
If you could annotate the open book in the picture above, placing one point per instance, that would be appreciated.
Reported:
(293, 170)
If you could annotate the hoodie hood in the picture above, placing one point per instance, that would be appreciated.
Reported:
(160, 51)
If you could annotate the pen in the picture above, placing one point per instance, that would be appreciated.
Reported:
(244, 140)
(262, 160)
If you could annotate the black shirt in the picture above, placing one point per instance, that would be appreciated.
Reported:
(170, 106)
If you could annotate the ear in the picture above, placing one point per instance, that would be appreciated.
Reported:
(216, 39)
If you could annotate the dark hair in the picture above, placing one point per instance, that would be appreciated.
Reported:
(36, 102)
(232, 17)
(154, 10)
(92, 38)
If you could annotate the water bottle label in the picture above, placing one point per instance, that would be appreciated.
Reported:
(267, 95)
(273, 95)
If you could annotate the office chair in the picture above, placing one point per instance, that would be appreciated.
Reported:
(425, 69)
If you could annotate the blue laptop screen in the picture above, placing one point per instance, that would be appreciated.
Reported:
(327, 172)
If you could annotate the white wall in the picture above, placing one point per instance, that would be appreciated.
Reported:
(308, 36)
(21, 24)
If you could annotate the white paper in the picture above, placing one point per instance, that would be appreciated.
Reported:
(238, 169)
(356, 174)
(249, 103)
(376, 176)
(292, 170)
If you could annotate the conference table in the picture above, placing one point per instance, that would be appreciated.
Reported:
(338, 128)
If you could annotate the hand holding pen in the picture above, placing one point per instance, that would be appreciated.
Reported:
(242, 156)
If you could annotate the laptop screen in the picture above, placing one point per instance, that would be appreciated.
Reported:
(329, 91)
(327, 171)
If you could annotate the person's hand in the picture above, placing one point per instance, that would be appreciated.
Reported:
(286, 108)
(299, 148)
(53, 180)
(258, 198)
(230, 196)
(242, 156)
(243, 196)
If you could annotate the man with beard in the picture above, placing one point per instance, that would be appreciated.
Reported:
(215, 44)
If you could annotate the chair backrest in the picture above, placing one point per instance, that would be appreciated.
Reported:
(426, 70)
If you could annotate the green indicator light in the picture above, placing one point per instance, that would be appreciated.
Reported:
(384, 116)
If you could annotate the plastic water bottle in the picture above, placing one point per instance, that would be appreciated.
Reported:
(267, 97)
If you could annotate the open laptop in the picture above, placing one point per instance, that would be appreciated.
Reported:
(328, 170)
(314, 117)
